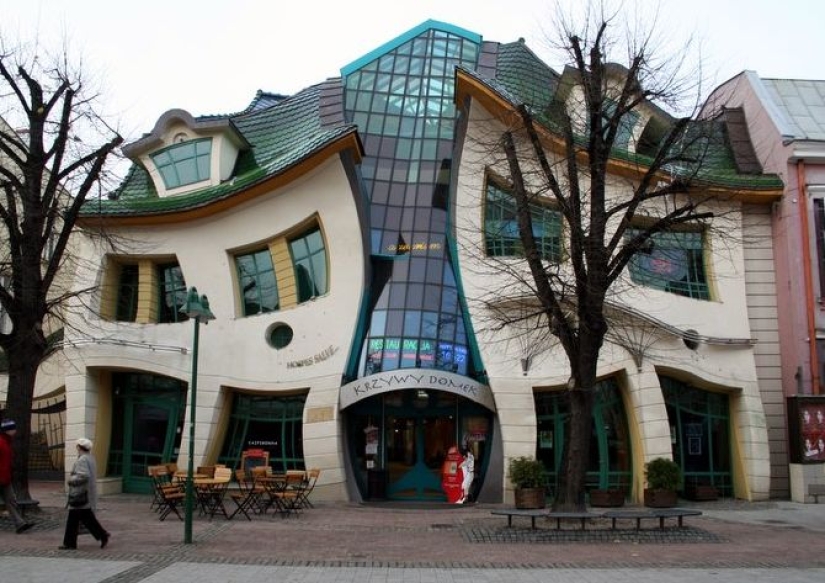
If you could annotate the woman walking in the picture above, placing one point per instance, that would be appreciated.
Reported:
(83, 498)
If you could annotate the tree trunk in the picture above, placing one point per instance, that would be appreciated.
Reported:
(24, 359)
(571, 491)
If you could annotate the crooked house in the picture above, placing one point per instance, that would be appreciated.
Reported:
(345, 237)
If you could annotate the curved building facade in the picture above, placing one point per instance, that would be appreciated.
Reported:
(346, 238)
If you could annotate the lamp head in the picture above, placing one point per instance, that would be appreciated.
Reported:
(197, 307)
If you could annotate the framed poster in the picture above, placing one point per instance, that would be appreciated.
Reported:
(806, 428)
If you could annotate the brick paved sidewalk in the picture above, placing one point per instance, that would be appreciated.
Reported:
(448, 537)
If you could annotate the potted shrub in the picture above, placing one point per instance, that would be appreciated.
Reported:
(527, 477)
(663, 478)
(607, 497)
(701, 490)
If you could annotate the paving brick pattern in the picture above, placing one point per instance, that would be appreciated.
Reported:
(380, 538)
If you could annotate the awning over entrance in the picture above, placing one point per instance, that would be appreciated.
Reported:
(416, 379)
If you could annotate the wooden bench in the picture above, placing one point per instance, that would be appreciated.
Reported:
(511, 512)
(816, 490)
(583, 516)
(653, 513)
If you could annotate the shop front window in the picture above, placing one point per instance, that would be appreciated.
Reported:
(273, 424)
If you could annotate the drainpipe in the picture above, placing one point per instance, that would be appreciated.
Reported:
(810, 304)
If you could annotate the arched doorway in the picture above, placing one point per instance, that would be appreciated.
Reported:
(398, 442)
(700, 434)
(609, 461)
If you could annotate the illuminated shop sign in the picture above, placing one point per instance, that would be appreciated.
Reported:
(412, 247)
(416, 379)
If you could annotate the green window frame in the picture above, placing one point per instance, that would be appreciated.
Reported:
(172, 293)
(257, 283)
(609, 461)
(675, 264)
(127, 293)
(184, 163)
(274, 424)
(309, 260)
(700, 429)
(501, 233)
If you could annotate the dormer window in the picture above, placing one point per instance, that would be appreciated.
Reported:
(183, 154)
(183, 163)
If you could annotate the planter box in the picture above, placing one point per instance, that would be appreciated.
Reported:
(701, 492)
(607, 498)
(660, 498)
(530, 498)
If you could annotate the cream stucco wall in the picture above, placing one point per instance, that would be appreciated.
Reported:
(233, 350)
(724, 361)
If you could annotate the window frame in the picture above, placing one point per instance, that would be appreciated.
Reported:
(694, 284)
(175, 171)
(501, 243)
(180, 290)
(254, 254)
(312, 260)
(126, 308)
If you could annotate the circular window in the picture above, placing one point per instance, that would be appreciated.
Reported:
(280, 335)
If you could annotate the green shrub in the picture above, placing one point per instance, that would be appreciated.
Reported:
(526, 472)
(662, 474)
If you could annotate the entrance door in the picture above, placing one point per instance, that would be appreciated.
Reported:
(147, 425)
(416, 448)
(154, 426)
(398, 442)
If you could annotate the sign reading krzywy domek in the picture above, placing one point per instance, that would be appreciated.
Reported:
(404, 379)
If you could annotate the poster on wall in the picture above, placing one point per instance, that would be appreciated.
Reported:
(806, 428)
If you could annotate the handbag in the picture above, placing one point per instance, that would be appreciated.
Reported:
(78, 491)
(78, 499)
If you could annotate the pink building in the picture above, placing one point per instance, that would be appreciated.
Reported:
(786, 122)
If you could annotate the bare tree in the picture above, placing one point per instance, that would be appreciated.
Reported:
(613, 199)
(53, 152)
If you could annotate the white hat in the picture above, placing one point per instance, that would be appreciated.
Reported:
(84, 444)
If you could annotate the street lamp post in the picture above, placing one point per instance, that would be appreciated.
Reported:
(197, 308)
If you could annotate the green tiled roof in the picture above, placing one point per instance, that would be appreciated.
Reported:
(281, 136)
(283, 131)
(522, 78)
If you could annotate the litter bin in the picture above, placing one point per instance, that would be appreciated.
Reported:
(376, 484)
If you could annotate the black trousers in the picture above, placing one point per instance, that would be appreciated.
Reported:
(89, 520)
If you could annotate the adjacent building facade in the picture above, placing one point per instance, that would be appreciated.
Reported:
(348, 239)
(786, 120)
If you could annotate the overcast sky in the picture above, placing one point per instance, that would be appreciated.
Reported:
(210, 57)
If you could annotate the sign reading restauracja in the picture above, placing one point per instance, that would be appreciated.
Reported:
(403, 379)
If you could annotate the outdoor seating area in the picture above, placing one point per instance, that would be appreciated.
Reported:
(220, 492)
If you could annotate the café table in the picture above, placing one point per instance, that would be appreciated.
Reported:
(274, 485)
(285, 491)
(210, 495)
(183, 475)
